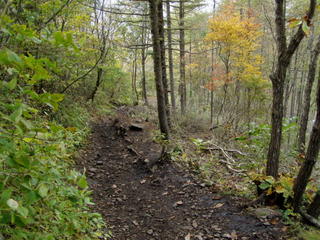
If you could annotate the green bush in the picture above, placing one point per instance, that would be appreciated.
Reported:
(41, 196)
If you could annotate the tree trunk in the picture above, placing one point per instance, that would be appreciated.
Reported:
(162, 113)
(170, 58)
(307, 97)
(293, 86)
(143, 64)
(190, 68)
(134, 80)
(300, 94)
(182, 86)
(98, 82)
(310, 158)
(276, 129)
(163, 62)
(212, 70)
(143, 80)
(278, 77)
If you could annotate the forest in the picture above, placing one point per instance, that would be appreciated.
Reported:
(159, 119)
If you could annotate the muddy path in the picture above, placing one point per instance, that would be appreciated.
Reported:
(167, 203)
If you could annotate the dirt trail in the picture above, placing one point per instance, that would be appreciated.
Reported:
(166, 204)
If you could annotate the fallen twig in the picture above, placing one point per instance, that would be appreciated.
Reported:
(226, 150)
(224, 153)
(231, 168)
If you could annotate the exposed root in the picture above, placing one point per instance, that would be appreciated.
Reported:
(311, 220)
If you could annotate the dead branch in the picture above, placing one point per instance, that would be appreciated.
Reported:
(226, 155)
(228, 165)
(226, 150)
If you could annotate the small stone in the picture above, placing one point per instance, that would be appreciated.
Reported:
(93, 170)
(179, 203)
(135, 223)
(99, 163)
(226, 235)
(194, 224)
(150, 231)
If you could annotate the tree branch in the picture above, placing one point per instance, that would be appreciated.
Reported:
(56, 13)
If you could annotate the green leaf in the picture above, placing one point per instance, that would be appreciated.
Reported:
(43, 190)
(58, 37)
(6, 194)
(16, 115)
(269, 179)
(82, 182)
(264, 186)
(31, 197)
(305, 28)
(7, 57)
(27, 124)
(51, 100)
(13, 57)
(23, 160)
(35, 40)
(23, 211)
(12, 204)
(12, 84)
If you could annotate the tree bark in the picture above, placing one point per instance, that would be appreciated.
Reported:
(98, 82)
(163, 62)
(161, 104)
(143, 80)
(182, 85)
(170, 58)
(307, 97)
(134, 80)
(310, 158)
(143, 64)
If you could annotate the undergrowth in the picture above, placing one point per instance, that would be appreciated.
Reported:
(41, 196)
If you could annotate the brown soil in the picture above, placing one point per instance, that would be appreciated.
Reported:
(165, 203)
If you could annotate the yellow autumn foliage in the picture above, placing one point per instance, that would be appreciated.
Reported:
(237, 38)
